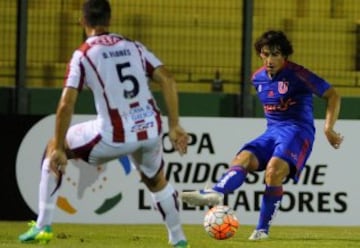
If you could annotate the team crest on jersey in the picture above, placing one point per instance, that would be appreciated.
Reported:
(283, 87)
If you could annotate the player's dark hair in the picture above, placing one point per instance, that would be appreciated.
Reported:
(274, 39)
(97, 12)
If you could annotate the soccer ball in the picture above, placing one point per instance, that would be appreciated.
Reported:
(220, 222)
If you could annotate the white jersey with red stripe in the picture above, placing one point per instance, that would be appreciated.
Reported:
(117, 70)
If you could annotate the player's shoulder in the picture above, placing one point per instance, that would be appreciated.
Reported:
(105, 39)
(297, 68)
(259, 74)
(83, 47)
(299, 71)
(291, 65)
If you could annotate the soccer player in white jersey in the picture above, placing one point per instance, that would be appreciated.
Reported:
(128, 122)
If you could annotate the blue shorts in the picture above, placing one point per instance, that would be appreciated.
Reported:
(291, 143)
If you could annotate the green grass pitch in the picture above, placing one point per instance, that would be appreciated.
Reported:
(155, 236)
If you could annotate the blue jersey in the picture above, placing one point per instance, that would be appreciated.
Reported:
(288, 96)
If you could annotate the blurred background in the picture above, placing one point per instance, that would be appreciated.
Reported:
(208, 45)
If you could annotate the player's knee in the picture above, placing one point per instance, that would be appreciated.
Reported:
(247, 160)
(275, 174)
(155, 183)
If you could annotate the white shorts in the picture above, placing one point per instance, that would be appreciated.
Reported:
(86, 143)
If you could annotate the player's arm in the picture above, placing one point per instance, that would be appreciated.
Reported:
(168, 86)
(64, 113)
(333, 100)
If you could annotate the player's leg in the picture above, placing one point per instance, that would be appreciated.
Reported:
(235, 176)
(164, 196)
(40, 230)
(231, 180)
(251, 157)
(282, 164)
(277, 170)
(80, 138)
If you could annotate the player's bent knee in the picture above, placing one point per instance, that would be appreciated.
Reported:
(275, 175)
(155, 183)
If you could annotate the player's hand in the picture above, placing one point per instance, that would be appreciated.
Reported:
(58, 162)
(335, 139)
(179, 139)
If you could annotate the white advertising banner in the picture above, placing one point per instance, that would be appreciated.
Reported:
(326, 194)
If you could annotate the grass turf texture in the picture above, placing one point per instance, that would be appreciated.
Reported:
(149, 236)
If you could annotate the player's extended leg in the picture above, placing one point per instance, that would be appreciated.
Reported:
(276, 171)
(232, 179)
(40, 231)
(166, 201)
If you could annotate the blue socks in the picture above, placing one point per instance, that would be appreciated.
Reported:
(271, 200)
(231, 180)
(269, 206)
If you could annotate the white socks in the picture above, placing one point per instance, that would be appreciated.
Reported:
(166, 202)
(46, 201)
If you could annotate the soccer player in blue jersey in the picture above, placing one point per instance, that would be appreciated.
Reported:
(286, 91)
